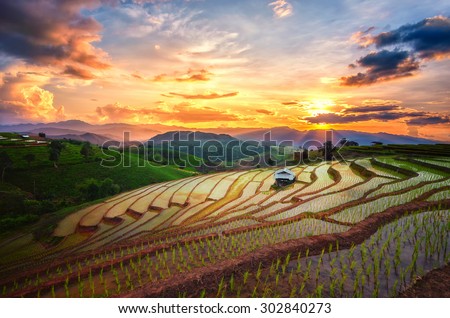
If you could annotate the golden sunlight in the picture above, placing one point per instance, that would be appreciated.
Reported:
(320, 106)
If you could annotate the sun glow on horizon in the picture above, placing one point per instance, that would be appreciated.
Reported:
(320, 106)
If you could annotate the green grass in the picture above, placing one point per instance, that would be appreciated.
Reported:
(170, 157)
(61, 182)
(69, 155)
(9, 135)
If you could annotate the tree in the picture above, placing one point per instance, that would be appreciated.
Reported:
(55, 151)
(5, 163)
(91, 189)
(29, 157)
(86, 150)
(108, 187)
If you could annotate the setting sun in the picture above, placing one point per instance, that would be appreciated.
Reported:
(321, 106)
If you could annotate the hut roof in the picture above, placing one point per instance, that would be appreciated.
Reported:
(284, 174)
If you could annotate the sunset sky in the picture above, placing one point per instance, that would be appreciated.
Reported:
(346, 64)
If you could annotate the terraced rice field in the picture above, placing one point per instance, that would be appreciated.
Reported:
(363, 228)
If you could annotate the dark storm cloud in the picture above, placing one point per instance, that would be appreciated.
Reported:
(382, 66)
(429, 38)
(368, 109)
(378, 112)
(50, 32)
(426, 40)
(431, 120)
(339, 118)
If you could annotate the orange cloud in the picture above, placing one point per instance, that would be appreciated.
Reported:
(78, 72)
(189, 76)
(281, 8)
(182, 113)
(135, 75)
(187, 114)
(193, 76)
(265, 111)
(377, 101)
(83, 52)
(363, 38)
(204, 96)
(21, 99)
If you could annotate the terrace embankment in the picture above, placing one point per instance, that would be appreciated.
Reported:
(433, 284)
(361, 170)
(203, 278)
(403, 171)
(429, 165)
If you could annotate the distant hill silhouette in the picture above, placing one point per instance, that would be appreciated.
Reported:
(199, 135)
(144, 132)
(92, 138)
(362, 138)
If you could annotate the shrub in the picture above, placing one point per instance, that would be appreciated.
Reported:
(11, 223)
(91, 189)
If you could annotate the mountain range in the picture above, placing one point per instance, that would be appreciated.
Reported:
(99, 133)
(198, 135)
(301, 137)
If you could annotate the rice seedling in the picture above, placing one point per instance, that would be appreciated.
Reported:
(378, 267)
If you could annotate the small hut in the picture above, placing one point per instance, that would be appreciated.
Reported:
(284, 177)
